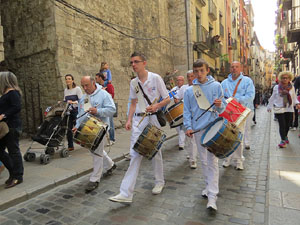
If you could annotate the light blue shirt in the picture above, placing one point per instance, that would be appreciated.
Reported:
(245, 92)
(100, 99)
(212, 91)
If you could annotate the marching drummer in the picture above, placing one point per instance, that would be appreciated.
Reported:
(204, 92)
(145, 85)
(180, 87)
(100, 104)
(189, 144)
(242, 89)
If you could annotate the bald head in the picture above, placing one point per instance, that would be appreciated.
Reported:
(88, 84)
(236, 69)
(180, 81)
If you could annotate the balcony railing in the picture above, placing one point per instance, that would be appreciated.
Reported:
(214, 47)
(222, 30)
(232, 44)
(294, 25)
(212, 10)
(202, 2)
(202, 42)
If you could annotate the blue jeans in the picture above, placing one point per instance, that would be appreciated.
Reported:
(111, 129)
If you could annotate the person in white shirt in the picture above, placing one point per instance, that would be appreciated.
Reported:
(190, 144)
(284, 99)
(154, 87)
(180, 131)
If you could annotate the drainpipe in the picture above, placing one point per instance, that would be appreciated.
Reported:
(187, 23)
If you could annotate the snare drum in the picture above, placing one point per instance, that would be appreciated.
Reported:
(174, 114)
(235, 112)
(221, 138)
(150, 141)
(90, 132)
(171, 95)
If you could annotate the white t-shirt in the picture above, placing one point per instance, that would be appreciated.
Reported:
(180, 92)
(277, 100)
(154, 87)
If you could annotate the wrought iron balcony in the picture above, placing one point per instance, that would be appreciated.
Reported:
(214, 47)
(202, 2)
(212, 10)
(293, 33)
(232, 44)
(202, 42)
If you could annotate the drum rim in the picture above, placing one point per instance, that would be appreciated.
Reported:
(217, 135)
(173, 106)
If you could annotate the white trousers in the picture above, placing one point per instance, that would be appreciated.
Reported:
(247, 134)
(191, 148)
(181, 136)
(210, 168)
(98, 161)
(237, 156)
(129, 180)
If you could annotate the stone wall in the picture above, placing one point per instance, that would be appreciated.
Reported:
(30, 51)
(45, 40)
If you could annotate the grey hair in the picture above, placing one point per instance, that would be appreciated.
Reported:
(188, 72)
(8, 80)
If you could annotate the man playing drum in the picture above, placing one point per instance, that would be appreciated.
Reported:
(99, 103)
(204, 92)
(154, 87)
(180, 87)
(242, 89)
(190, 144)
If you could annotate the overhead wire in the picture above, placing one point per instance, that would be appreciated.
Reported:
(112, 25)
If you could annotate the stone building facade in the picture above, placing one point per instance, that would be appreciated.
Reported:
(44, 40)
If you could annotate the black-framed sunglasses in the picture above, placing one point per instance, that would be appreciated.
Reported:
(135, 62)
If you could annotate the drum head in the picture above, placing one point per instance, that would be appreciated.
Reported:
(212, 131)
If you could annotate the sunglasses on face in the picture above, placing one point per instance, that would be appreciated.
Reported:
(135, 62)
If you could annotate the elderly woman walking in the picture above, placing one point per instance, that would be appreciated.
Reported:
(10, 108)
(283, 100)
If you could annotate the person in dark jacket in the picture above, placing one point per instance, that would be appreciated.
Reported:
(10, 108)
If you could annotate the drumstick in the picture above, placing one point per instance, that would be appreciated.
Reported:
(205, 111)
(86, 112)
(146, 113)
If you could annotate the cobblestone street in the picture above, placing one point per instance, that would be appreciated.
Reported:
(242, 197)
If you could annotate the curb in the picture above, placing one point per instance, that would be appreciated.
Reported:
(31, 193)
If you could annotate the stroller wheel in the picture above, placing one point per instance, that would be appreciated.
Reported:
(64, 153)
(29, 156)
(50, 151)
(44, 159)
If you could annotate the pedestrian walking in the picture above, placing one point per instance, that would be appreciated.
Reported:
(151, 85)
(194, 106)
(72, 94)
(10, 108)
(283, 99)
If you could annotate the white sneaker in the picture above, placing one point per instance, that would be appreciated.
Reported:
(120, 198)
(204, 193)
(239, 166)
(110, 143)
(193, 165)
(226, 163)
(294, 128)
(187, 157)
(212, 203)
(157, 189)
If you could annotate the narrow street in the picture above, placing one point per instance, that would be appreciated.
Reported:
(242, 198)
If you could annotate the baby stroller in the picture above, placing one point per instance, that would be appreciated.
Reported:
(51, 133)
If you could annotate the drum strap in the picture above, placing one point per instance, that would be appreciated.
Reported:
(201, 98)
(140, 97)
(236, 87)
